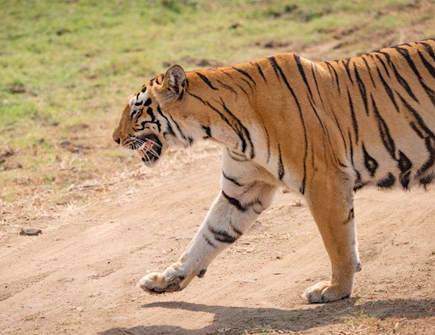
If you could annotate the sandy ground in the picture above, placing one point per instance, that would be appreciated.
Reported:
(79, 276)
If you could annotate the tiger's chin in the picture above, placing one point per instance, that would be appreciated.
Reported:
(151, 149)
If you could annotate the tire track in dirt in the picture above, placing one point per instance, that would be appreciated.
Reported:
(9, 289)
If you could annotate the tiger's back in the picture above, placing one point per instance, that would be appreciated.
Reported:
(370, 116)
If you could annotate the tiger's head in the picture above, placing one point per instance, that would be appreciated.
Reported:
(146, 125)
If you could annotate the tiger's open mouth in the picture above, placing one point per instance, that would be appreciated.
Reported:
(150, 148)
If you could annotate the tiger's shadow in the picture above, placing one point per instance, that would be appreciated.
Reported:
(238, 320)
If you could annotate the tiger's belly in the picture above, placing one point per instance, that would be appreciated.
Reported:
(410, 164)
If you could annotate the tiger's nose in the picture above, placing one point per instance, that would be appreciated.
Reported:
(116, 138)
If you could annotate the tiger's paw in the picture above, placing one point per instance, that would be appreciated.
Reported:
(170, 280)
(325, 292)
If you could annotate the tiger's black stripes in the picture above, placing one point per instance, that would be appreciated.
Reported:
(429, 50)
(228, 87)
(227, 74)
(370, 163)
(237, 231)
(133, 114)
(426, 64)
(158, 124)
(236, 156)
(233, 201)
(326, 132)
(383, 64)
(139, 114)
(358, 183)
(260, 71)
(242, 129)
(346, 63)
(267, 143)
(387, 57)
(151, 114)
(210, 243)
(387, 182)
(409, 60)
(415, 128)
(350, 216)
(197, 97)
(403, 82)
(225, 119)
(142, 126)
(243, 90)
(201, 273)
(206, 80)
(281, 171)
(362, 89)
(301, 116)
(352, 113)
(168, 124)
(405, 54)
(330, 73)
(339, 129)
(313, 108)
(246, 74)
(384, 131)
(388, 90)
(231, 179)
(238, 127)
(426, 180)
(249, 84)
(368, 70)
(417, 117)
(207, 131)
(184, 136)
(272, 61)
(221, 235)
(405, 165)
(430, 146)
(302, 73)
(313, 73)
(337, 82)
(425, 133)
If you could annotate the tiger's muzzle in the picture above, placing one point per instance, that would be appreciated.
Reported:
(149, 147)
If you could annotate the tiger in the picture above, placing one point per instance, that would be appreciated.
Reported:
(321, 129)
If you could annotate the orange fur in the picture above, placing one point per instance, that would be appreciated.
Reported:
(323, 129)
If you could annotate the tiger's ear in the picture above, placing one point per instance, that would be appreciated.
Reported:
(174, 83)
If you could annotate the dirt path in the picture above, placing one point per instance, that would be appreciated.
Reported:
(79, 276)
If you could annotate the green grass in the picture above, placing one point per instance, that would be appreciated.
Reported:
(64, 63)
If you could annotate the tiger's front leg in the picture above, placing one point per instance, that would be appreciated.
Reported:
(233, 211)
(331, 203)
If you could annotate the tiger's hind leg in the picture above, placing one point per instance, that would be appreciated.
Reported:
(331, 203)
